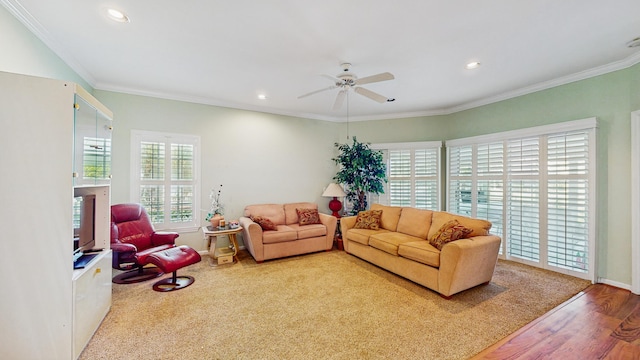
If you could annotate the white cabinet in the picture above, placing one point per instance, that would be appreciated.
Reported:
(91, 299)
(37, 189)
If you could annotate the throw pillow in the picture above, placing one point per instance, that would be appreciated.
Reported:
(308, 216)
(450, 231)
(264, 223)
(368, 220)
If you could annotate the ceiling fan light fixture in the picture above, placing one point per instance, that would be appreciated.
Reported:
(472, 65)
(262, 97)
(117, 15)
(634, 43)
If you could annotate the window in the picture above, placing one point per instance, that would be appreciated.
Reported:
(96, 158)
(165, 175)
(413, 174)
(537, 187)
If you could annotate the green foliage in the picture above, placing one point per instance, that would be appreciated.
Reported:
(362, 170)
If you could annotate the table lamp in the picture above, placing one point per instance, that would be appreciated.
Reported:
(335, 191)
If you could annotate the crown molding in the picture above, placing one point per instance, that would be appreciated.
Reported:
(582, 75)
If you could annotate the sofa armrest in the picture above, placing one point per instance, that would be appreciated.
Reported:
(252, 238)
(331, 223)
(466, 263)
(346, 223)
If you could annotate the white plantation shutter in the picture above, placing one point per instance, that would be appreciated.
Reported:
(399, 177)
(490, 185)
(460, 160)
(426, 190)
(164, 178)
(568, 215)
(523, 198)
(536, 186)
(413, 174)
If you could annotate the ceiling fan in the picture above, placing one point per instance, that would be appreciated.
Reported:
(347, 80)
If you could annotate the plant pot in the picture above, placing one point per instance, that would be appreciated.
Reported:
(215, 220)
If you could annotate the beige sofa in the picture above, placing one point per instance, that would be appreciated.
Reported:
(401, 246)
(290, 238)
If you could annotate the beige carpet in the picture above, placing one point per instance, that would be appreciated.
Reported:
(326, 305)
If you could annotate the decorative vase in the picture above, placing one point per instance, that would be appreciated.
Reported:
(215, 220)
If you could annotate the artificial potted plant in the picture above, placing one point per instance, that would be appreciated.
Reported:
(216, 210)
(362, 170)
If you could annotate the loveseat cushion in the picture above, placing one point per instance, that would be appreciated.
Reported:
(389, 241)
(290, 213)
(264, 222)
(415, 222)
(309, 231)
(284, 233)
(362, 235)
(308, 216)
(390, 216)
(274, 212)
(479, 227)
(420, 251)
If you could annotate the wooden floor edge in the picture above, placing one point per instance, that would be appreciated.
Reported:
(533, 323)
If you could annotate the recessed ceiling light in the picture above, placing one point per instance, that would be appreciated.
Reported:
(117, 15)
(262, 96)
(472, 65)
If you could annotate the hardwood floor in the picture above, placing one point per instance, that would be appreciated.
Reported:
(602, 322)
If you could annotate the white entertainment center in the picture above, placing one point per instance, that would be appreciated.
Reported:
(56, 145)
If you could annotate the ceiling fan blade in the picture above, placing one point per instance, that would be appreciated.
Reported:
(317, 91)
(332, 78)
(375, 78)
(339, 99)
(370, 94)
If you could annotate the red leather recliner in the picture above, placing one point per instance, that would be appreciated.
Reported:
(133, 239)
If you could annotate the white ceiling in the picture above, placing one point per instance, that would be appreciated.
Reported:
(227, 52)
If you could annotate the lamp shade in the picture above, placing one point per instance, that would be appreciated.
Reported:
(334, 190)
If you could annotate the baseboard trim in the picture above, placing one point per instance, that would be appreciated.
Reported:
(614, 283)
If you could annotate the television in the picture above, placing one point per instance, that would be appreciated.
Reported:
(84, 229)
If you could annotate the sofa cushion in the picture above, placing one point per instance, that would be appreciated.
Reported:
(415, 222)
(420, 251)
(390, 216)
(479, 226)
(264, 222)
(274, 212)
(362, 235)
(450, 231)
(309, 231)
(290, 213)
(368, 220)
(389, 241)
(308, 216)
(284, 233)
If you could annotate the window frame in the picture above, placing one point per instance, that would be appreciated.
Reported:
(588, 125)
(139, 136)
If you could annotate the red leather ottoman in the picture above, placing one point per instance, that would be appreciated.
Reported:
(170, 260)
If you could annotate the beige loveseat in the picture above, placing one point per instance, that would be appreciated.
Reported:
(401, 246)
(290, 236)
